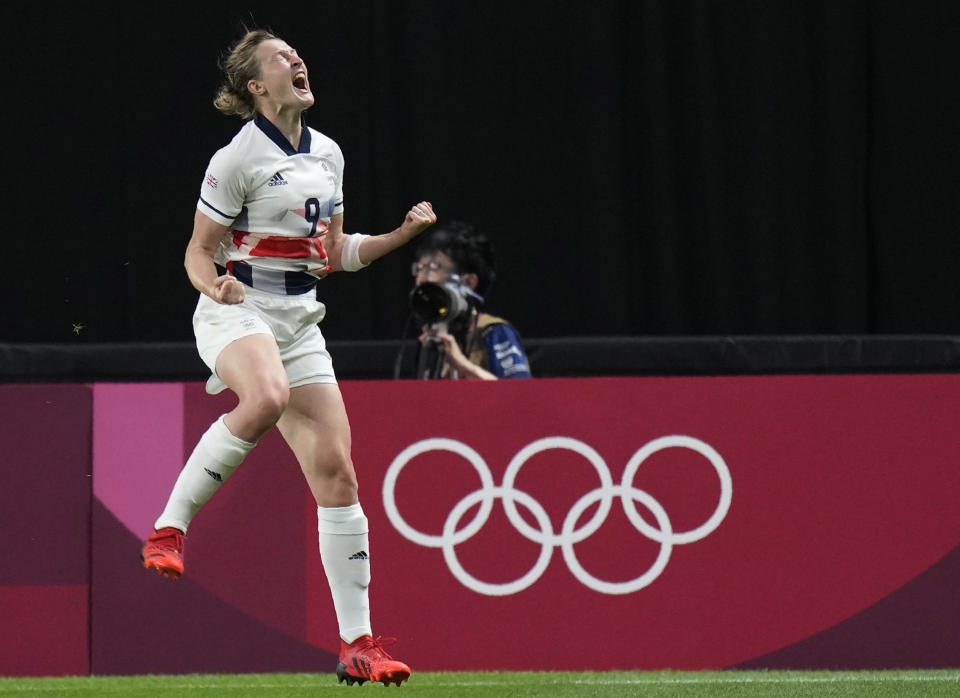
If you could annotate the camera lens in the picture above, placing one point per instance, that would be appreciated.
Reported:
(432, 302)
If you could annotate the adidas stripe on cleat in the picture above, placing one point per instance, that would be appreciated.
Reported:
(163, 551)
(364, 659)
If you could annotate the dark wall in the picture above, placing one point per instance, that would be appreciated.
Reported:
(644, 168)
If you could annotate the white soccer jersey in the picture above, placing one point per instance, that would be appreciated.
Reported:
(278, 201)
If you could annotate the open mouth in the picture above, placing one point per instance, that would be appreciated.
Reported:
(300, 81)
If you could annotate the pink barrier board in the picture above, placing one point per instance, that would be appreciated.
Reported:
(633, 523)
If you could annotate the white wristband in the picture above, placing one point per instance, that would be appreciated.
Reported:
(350, 257)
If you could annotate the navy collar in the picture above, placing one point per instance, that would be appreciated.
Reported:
(273, 133)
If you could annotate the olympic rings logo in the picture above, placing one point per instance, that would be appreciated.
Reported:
(569, 535)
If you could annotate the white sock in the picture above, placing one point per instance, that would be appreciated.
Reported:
(214, 458)
(345, 553)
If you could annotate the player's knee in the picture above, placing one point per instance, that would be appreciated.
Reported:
(266, 404)
(337, 468)
(344, 486)
(274, 401)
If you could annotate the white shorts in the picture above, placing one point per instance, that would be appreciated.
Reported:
(290, 320)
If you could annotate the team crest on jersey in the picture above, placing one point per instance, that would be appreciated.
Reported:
(211, 181)
(277, 180)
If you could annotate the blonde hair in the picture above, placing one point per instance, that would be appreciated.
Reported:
(240, 66)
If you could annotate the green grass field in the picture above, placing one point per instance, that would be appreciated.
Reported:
(655, 684)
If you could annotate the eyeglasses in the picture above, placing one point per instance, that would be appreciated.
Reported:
(432, 265)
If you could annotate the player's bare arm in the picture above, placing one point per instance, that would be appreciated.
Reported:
(198, 261)
(418, 218)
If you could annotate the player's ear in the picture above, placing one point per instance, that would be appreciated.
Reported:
(255, 87)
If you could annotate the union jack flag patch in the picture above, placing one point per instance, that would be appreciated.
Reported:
(211, 181)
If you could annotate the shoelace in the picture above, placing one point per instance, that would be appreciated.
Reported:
(167, 541)
(376, 645)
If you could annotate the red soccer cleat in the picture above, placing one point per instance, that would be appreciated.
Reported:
(365, 659)
(163, 551)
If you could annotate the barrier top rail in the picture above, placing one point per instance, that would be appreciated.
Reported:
(549, 357)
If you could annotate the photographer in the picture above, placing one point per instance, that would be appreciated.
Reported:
(453, 270)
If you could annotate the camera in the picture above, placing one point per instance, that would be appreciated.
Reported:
(441, 303)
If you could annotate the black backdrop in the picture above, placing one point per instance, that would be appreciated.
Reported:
(666, 167)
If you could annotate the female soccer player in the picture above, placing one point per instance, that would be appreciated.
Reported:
(268, 226)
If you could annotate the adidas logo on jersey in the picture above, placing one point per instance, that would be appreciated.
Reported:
(277, 180)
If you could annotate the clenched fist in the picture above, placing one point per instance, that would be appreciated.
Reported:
(226, 289)
(418, 218)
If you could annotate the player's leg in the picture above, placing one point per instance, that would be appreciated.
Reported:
(316, 427)
(252, 368)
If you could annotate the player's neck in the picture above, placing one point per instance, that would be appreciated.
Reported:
(287, 121)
